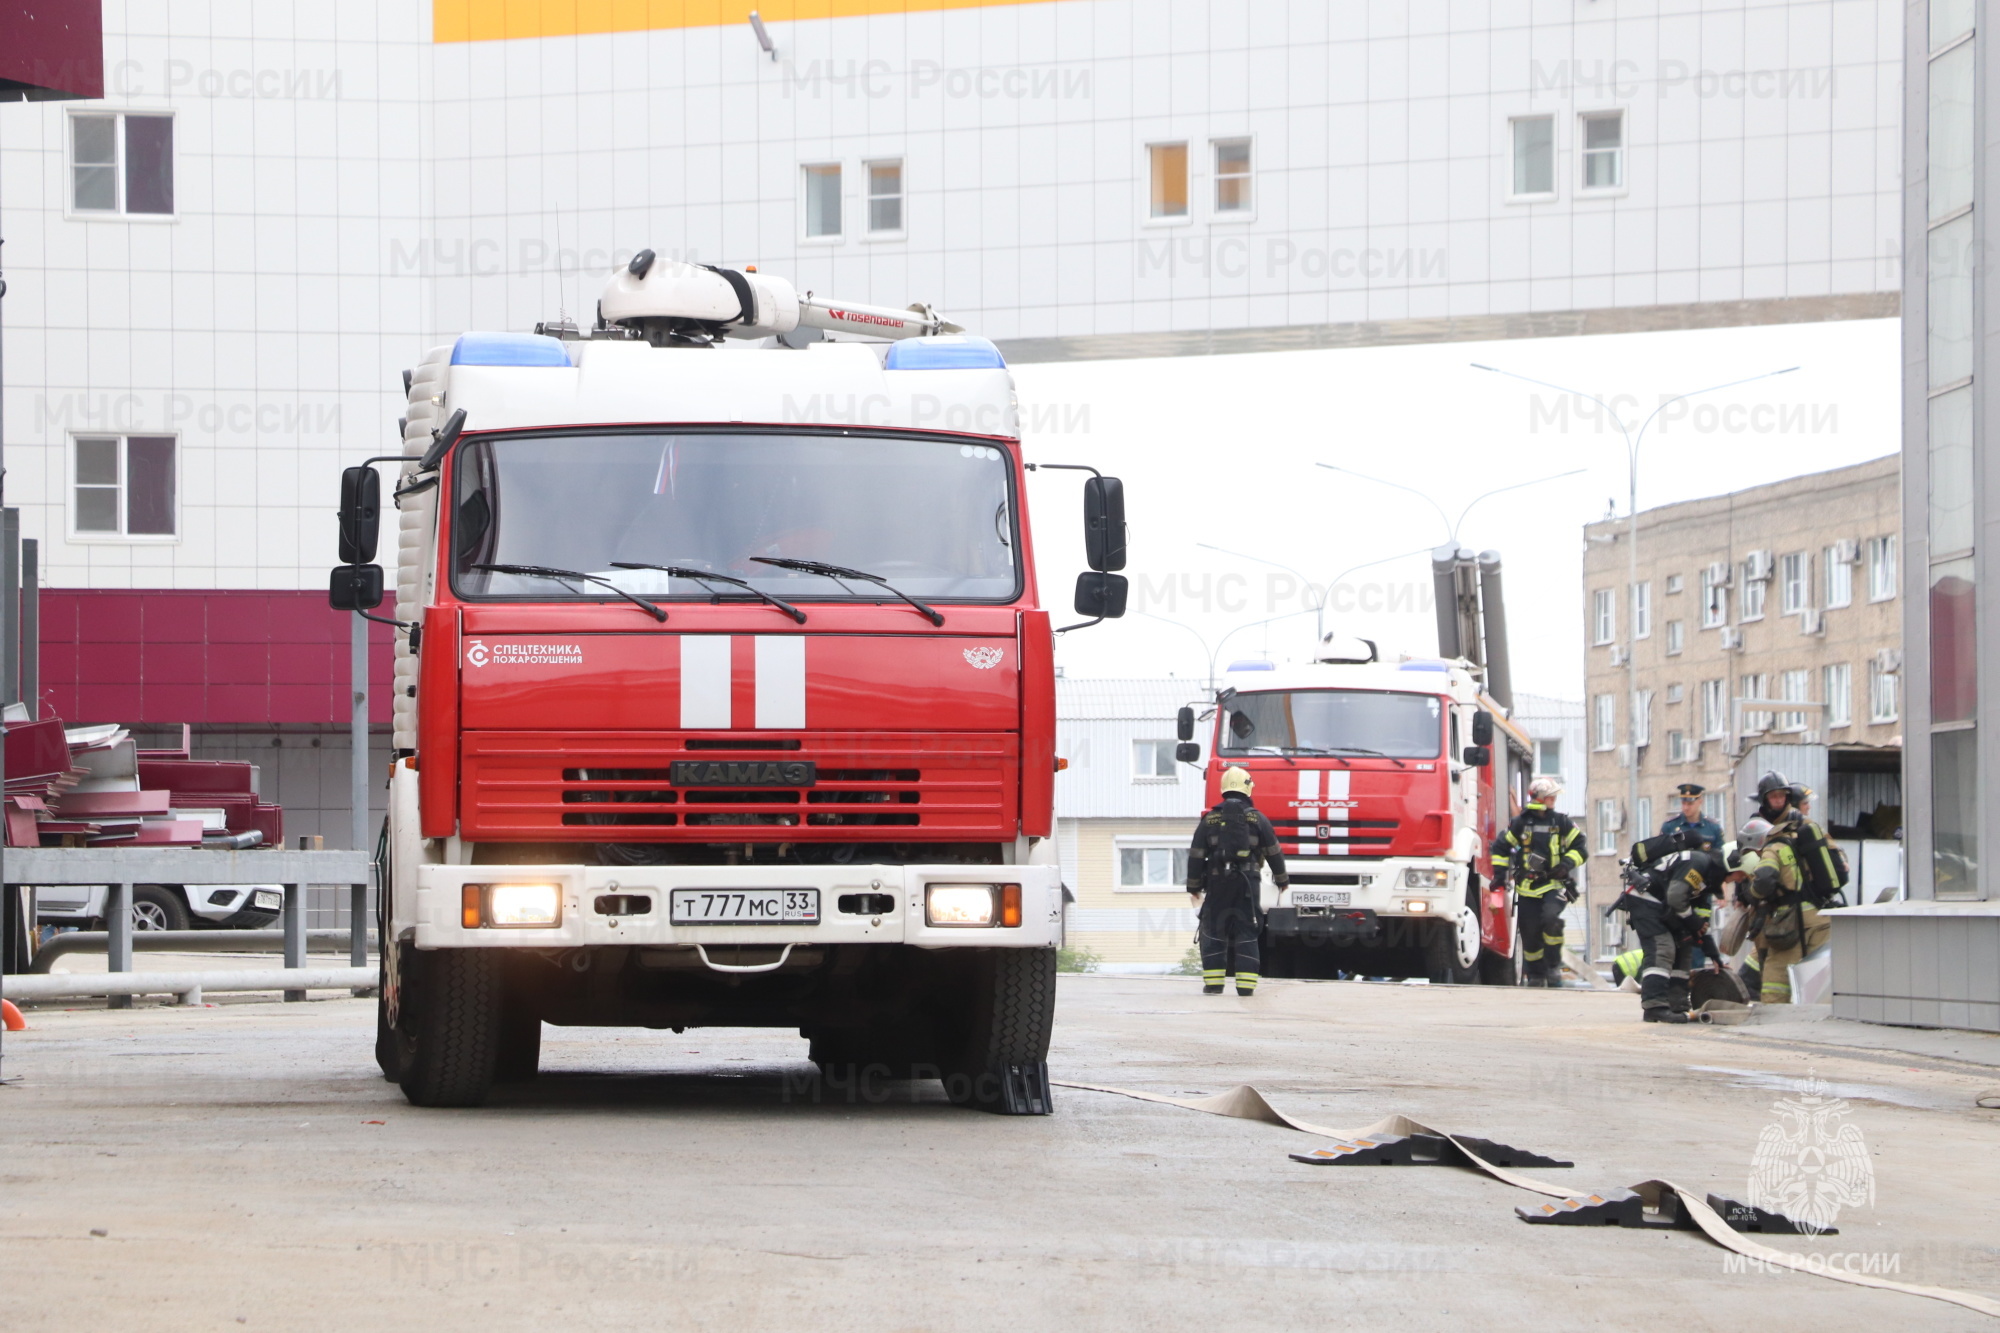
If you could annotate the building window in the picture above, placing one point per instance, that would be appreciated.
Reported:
(1755, 687)
(1881, 568)
(1839, 578)
(1715, 595)
(1604, 151)
(1170, 179)
(124, 486)
(1153, 759)
(1677, 747)
(1883, 695)
(1839, 695)
(1607, 828)
(1673, 694)
(1715, 806)
(1673, 584)
(1159, 868)
(885, 196)
(1603, 617)
(1756, 582)
(1549, 757)
(1642, 719)
(1794, 583)
(1534, 156)
(1604, 722)
(1645, 825)
(122, 164)
(1676, 637)
(1232, 176)
(823, 200)
(1642, 610)
(1714, 709)
(1792, 688)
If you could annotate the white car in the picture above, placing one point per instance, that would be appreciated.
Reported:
(163, 906)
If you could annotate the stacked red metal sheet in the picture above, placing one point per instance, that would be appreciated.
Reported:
(93, 786)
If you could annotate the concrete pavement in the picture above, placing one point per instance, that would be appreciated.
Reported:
(233, 1159)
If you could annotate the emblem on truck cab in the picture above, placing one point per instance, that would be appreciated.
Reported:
(983, 659)
(743, 773)
(475, 654)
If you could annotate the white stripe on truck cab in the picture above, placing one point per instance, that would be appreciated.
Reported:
(704, 681)
(781, 681)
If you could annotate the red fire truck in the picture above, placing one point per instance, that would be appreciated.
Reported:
(1386, 783)
(724, 692)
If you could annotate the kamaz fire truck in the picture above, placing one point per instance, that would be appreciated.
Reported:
(1386, 783)
(724, 691)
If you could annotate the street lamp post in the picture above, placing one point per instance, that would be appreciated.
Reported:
(1632, 442)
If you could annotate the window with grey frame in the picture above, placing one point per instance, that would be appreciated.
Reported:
(822, 189)
(885, 195)
(1604, 150)
(1232, 176)
(121, 163)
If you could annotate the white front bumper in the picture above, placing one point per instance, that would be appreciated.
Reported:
(1383, 889)
(437, 923)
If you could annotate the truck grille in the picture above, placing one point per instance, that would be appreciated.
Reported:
(571, 788)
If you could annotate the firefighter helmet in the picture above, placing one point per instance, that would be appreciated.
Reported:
(1236, 779)
(1753, 834)
(1544, 789)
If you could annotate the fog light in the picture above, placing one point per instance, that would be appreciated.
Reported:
(1417, 905)
(961, 904)
(512, 905)
(1415, 878)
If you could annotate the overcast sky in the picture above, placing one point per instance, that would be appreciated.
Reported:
(1222, 450)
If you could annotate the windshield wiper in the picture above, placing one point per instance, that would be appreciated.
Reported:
(1373, 754)
(702, 576)
(839, 572)
(544, 572)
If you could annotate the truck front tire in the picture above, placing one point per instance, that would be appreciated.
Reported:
(1004, 1064)
(156, 907)
(449, 1027)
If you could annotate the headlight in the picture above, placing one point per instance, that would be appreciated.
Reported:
(972, 904)
(1415, 878)
(511, 905)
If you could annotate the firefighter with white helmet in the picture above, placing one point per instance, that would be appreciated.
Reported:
(1539, 855)
(1230, 844)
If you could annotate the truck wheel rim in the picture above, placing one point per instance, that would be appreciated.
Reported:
(1468, 937)
(148, 916)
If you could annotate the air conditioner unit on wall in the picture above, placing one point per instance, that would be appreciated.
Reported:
(1847, 551)
(1617, 655)
(1757, 566)
(1888, 660)
(1812, 621)
(1732, 639)
(1720, 575)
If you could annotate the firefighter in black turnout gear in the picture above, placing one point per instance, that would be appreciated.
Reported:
(1539, 855)
(1230, 844)
(1665, 903)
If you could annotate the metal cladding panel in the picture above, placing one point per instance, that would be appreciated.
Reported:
(741, 682)
(202, 657)
(620, 787)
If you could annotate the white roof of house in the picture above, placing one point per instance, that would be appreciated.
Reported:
(1134, 699)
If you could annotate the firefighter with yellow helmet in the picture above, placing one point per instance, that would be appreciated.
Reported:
(1539, 855)
(1231, 844)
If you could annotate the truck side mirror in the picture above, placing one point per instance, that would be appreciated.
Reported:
(1104, 524)
(1101, 596)
(360, 514)
(355, 588)
(1478, 756)
(1482, 728)
(1184, 724)
(1188, 752)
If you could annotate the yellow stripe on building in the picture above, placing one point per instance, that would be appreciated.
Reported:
(495, 20)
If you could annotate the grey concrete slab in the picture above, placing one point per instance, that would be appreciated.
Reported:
(706, 1180)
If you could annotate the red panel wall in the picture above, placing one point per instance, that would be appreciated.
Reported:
(202, 656)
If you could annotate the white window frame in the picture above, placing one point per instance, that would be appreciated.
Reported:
(1839, 581)
(1159, 749)
(118, 214)
(1606, 827)
(1604, 722)
(1794, 685)
(1673, 585)
(1754, 686)
(1642, 609)
(1677, 747)
(1715, 806)
(1838, 682)
(1714, 710)
(1794, 583)
(1676, 637)
(1514, 194)
(1543, 770)
(1884, 694)
(1714, 597)
(1585, 153)
(1176, 850)
(121, 537)
(807, 173)
(1882, 568)
(901, 196)
(1642, 719)
(1603, 617)
(1247, 211)
(1182, 218)
(1644, 826)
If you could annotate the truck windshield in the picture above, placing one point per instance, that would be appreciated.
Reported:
(933, 517)
(1340, 722)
